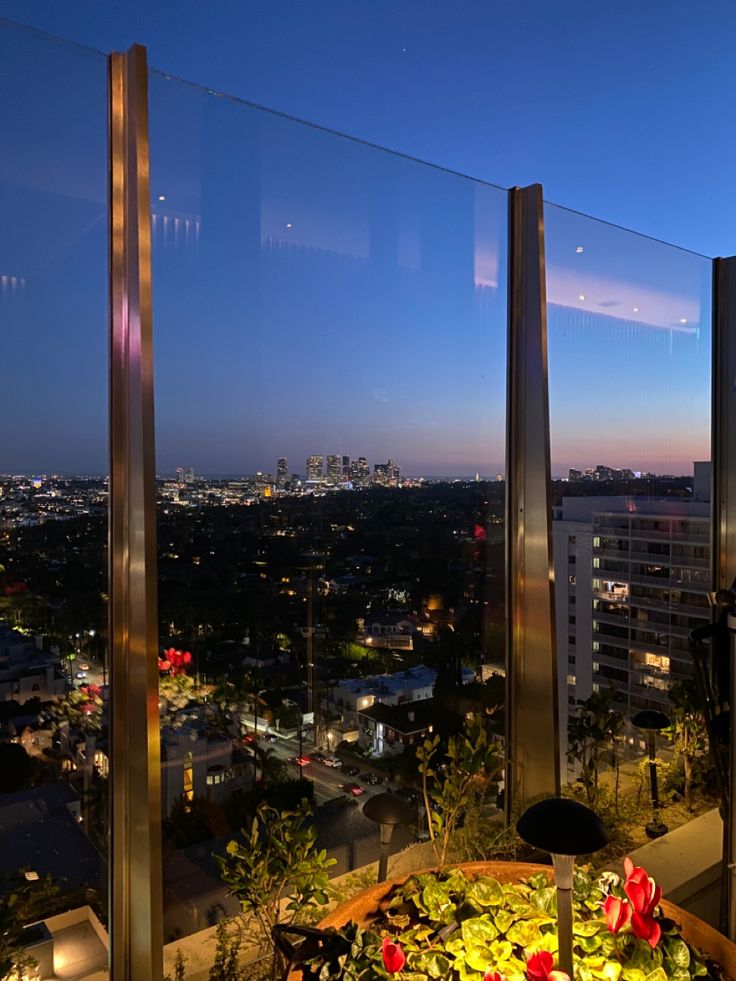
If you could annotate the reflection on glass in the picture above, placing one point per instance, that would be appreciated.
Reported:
(629, 368)
(53, 494)
(330, 324)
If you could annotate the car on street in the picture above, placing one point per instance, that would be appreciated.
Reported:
(350, 771)
(300, 760)
(352, 788)
(271, 737)
(371, 778)
(84, 667)
(332, 761)
(81, 674)
(318, 757)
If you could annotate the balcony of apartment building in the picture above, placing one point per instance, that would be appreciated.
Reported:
(303, 287)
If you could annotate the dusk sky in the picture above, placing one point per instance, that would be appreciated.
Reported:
(312, 294)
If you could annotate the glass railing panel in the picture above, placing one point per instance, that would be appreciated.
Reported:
(330, 333)
(53, 492)
(630, 415)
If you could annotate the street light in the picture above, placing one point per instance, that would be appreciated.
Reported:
(652, 721)
(564, 828)
(386, 810)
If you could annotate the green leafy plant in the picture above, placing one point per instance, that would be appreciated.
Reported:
(591, 731)
(452, 926)
(688, 733)
(450, 789)
(276, 872)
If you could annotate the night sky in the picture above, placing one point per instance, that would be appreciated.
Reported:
(313, 294)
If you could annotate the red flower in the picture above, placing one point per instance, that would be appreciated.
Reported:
(494, 976)
(643, 892)
(393, 955)
(558, 976)
(646, 928)
(539, 966)
(618, 913)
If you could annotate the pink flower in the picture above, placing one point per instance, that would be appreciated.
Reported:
(558, 976)
(393, 955)
(618, 913)
(494, 976)
(539, 966)
(646, 928)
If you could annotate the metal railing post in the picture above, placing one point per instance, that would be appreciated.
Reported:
(532, 736)
(136, 920)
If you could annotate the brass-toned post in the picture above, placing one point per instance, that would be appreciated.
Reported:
(136, 920)
(532, 716)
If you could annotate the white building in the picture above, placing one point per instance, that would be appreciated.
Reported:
(631, 580)
(26, 671)
(195, 763)
(350, 695)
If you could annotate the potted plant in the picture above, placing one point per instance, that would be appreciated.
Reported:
(493, 921)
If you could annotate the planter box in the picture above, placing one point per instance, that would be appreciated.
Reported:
(365, 905)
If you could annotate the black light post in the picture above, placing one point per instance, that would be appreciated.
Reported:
(301, 749)
(564, 828)
(651, 721)
(387, 810)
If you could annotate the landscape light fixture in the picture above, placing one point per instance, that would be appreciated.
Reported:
(565, 828)
(386, 810)
(652, 721)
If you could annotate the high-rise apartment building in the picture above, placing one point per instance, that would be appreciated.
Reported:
(345, 468)
(315, 467)
(360, 472)
(282, 469)
(387, 474)
(334, 469)
(632, 577)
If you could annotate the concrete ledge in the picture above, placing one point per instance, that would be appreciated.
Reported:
(687, 864)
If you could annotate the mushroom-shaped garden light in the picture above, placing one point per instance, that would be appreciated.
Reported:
(564, 828)
(387, 810)
(652, 722)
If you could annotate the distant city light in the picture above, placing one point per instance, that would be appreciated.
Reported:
(683, 320)
(581, 296)
(636, 309)
(289, 224)
(579, 249)
(162, 197)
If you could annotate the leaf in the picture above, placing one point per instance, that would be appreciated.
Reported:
(431, 962)
(589, 944)
(479, 958)
(503, 919)
(659, 974)
(545, 899)
(479, 930)
(678, 952)
(501, 950)
(679, 974)
(436, 897)
(485, 892)
(524, 932)
(587, 928)
(633, 974)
